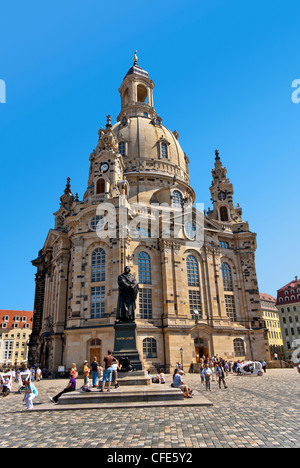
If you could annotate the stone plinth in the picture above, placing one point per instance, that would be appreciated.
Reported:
(125, 344)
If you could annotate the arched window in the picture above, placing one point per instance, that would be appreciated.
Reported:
(97, 223)
(126, 97)
(239, 347)
(223, 213)
(192, 271)
(227, 277)
(142, 94)
(177, 199)
(100, 186)
(149, 348)
(98, 266)
(144, 264)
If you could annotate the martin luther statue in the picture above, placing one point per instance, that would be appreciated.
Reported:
(128, 292)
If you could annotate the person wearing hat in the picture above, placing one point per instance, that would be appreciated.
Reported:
(86, 373)
(178, 383)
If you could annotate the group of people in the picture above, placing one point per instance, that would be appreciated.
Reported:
(100, 376)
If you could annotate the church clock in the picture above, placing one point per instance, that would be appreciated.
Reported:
(104, 167)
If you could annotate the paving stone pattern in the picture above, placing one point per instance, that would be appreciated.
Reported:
(252, 412)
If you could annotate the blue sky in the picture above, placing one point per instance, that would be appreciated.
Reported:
(223, 72)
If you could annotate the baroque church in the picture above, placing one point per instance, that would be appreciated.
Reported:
(195, 298)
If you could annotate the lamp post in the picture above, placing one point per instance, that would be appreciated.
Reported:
(181, 354)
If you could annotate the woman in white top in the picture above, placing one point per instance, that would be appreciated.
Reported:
(161, 376)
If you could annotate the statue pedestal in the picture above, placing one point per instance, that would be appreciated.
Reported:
(125, 344)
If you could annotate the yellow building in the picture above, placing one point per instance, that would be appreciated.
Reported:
(15, 331)
(272, 321)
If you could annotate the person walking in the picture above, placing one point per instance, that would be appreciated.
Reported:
(264, 366)
(30, 394)
(115, 367)
(207, 374)
(95, 370)
(107, 374)
(221, 374)
(71, 387)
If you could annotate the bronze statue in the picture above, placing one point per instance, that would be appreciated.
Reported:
(128, 292)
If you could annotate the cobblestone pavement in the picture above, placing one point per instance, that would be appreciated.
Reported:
(252, 412)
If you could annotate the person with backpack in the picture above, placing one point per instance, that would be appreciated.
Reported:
(221, 374)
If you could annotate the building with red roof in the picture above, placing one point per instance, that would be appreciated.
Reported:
(288, 306)
(15, 331)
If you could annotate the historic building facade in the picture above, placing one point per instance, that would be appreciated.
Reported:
(288, 306)
(198, 293)
(272, 321)
(15, 331)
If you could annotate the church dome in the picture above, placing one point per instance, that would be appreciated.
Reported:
(147, 145)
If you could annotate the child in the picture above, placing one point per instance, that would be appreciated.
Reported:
(30, 393)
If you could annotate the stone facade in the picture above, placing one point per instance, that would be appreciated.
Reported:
(272, 321)
(198, 293)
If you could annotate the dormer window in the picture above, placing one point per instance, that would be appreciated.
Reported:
(123, 148)
(164, 151)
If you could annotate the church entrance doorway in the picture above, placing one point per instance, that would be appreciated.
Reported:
(95, 351)
(201, 349)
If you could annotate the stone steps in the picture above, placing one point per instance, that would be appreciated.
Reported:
(130, 394)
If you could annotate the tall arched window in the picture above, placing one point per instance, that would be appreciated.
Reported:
(239, 347)
(142, 94)
(192, 271)
(144, 264)
(100, 186)
(227, 277)
(98, 266)
(149, 348)
(224, 213)
(177, 199)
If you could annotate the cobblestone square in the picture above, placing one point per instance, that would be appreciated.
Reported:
(252, 412)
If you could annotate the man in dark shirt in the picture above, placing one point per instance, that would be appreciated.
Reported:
(94, 367)
(107, 374)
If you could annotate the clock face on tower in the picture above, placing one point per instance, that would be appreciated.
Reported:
(222, 196)
(104, 167)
